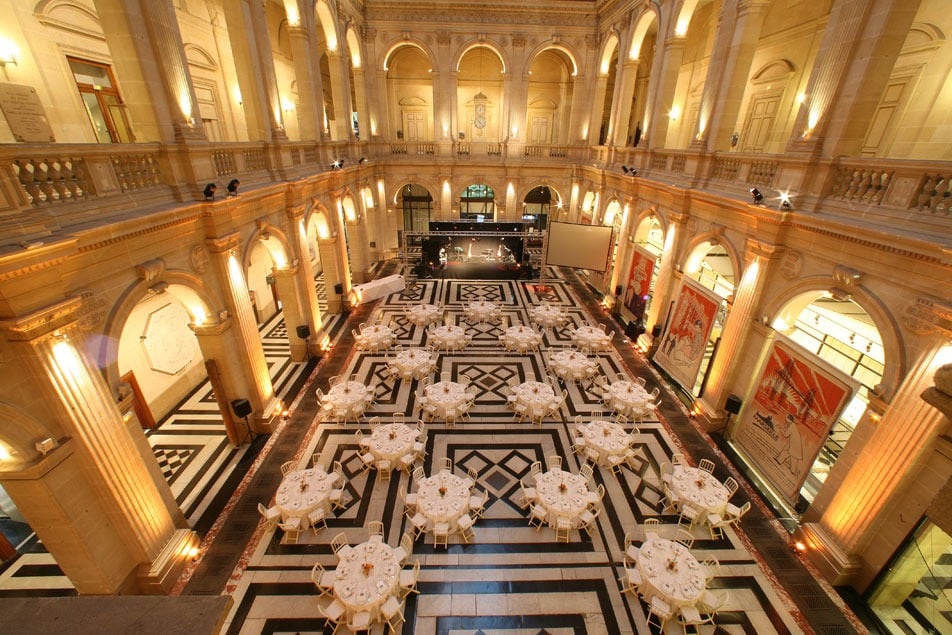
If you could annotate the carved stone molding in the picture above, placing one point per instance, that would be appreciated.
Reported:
(928, 315)
(847, 280)
(222, 244)
(791, 264)
(198, 258)
(43, 321)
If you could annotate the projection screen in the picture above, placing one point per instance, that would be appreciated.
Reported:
(579, 246)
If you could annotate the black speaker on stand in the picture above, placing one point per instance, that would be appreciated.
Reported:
(339, 290)
(304, 332)
(732, 406)
(242, 408)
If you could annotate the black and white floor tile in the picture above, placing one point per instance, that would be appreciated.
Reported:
(512, 578)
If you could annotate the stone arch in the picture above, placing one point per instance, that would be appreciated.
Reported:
(714, 239)
(411, 42)
(480, 43)
(69, 16)
(806, 290)
(553, 46)
(354, 48)
(108, 349)
(199, 57)
(431, 187)
(642, 26)
(605, 57)
(327, 22)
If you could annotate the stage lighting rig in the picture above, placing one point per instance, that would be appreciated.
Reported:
(757, 196)
(629, 171)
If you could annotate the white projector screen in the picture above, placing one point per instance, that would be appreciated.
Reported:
(579, 246)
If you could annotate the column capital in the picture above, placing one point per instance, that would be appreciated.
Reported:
(759, 249)
(223, 244)
(213, 328)
(43, 322)
(287, 271)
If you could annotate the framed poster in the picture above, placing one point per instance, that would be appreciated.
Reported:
(795, 401)
(682, 346)
(639, 281)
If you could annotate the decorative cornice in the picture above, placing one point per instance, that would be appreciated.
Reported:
(42, 321)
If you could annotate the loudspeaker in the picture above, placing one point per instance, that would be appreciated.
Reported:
(242, 407)
(656, 331)
(339, 289)
(618, 291)
(304, 331)
(733, 404)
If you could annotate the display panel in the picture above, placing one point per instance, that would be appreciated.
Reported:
(579, 246)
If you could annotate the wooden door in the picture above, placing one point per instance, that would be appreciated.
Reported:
(760, 122)
(139, 404)
(414, 125)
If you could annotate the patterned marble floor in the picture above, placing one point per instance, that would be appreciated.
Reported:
(512, 578)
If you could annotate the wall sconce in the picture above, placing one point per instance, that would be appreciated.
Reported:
(8, 52)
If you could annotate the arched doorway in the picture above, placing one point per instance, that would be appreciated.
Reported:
(841, 333)
(535, 207)
(417, 205)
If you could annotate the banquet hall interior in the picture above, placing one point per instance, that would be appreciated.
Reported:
(569, 316)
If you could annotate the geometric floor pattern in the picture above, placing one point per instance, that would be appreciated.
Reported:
(512, 578)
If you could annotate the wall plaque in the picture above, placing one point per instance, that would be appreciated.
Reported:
(24, 114)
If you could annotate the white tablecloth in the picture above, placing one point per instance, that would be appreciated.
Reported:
(481, 311)
(591, 338)
(423, 314)
(412, 363)
(375, 336)
(448, 336)
(700, 489)
(606, 438)
(534, 395)
(348, 396)
(572, 365)
(303, 491)
(521, 337)
(626, 397)
(377, 288)
(562, 502)
(546, 315)
(443, 498)
(391, 441)
(366, 588)
(444, 395)
(669, 571)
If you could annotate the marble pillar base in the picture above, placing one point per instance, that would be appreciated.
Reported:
(158, 577)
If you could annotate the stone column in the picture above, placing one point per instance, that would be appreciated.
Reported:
(597, 107)
(149, 58)
(308, 77)
(662, 292)
(358, 248)
(853, 65)
(628, 75)
(332, 274)
(246, 340)
(723, 368)
(107, 518)
(310, 310)
(876, 467)
(735, 43)
(341, 129)
(285, 278)
(664, 88)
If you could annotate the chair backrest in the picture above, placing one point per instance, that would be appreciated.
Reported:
(743, 510)
(339, 542)
(707, 465)
(317, 571)
(418, 474)
(473, 474)
(446, 463)
(586, 470)
(320, 395)
(654, 392)
(375, 527)
(333, 380)
(666, 468)
(358, 436)
(640, 381)
(536, 467)
(406, 541)
(262, 509)
(730, 485)
(286, 467)
(677, 458)
(399, 417)
(339, 470)
(316, 460)
(600, 490)
(653, 523)
(374, 422)
(685, 538)
(555, 461)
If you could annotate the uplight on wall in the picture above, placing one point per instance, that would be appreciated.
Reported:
(674, 113)
(9, 52)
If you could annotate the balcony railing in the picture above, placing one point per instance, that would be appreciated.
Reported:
(903, 195)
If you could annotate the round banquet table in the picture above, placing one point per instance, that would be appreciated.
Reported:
(412, 363)
(670, 571)
(448, 336)
(699, 489)
(347, 395)
(480, 310)
(391, 441)
(443, 498)
(534, 395)
(606, 438)
(367, 576)
(546, 315)
(303, 491)
(444, 395)
(376, 336)
(423, 314)
(572, 365)
(521, 337)
(590, 338)
(626, 397)
(562, 495)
